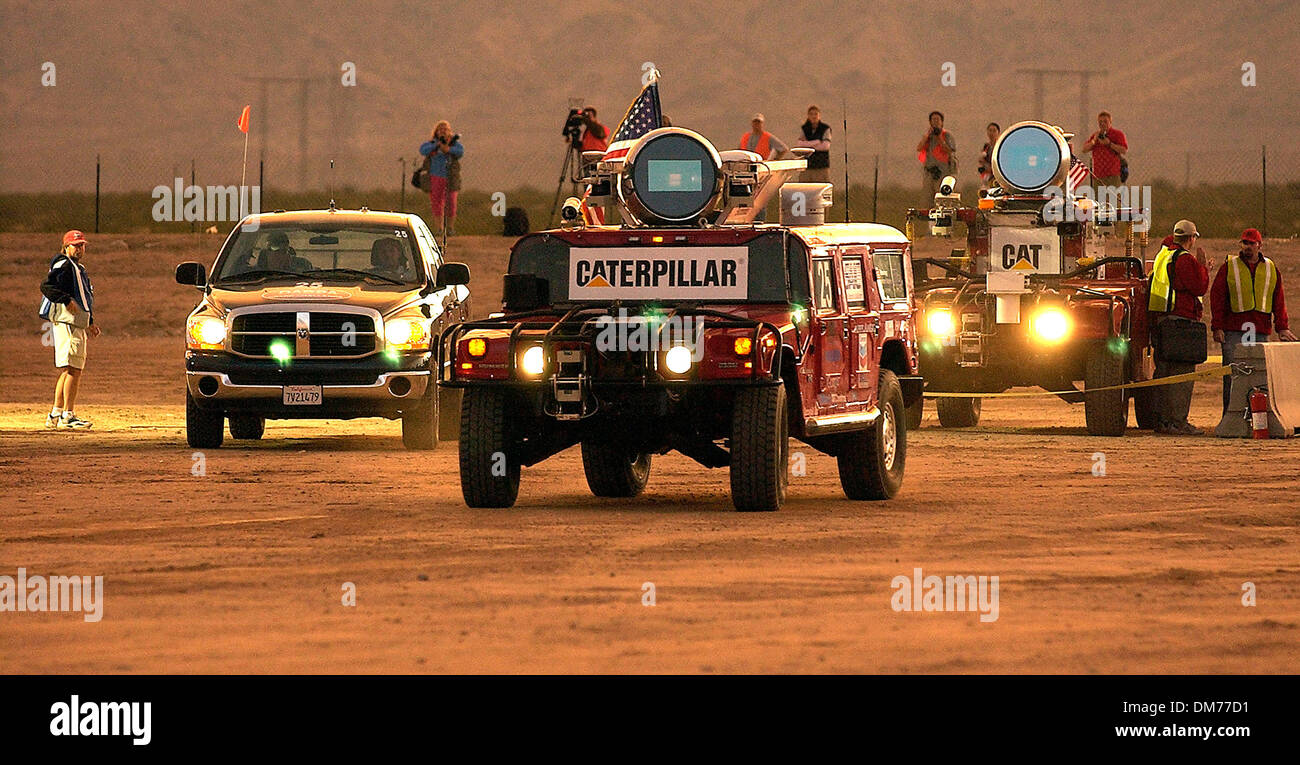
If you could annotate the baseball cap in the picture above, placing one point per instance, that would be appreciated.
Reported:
(74, 237)
(1252, 235)
(758, 116)
(1185, 228)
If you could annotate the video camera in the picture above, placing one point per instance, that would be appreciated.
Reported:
(572, 131)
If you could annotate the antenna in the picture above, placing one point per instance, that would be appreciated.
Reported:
(844, 112)
(331, 184)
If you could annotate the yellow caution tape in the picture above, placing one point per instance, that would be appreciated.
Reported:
(1212, 372)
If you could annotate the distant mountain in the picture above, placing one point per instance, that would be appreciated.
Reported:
(150, 86)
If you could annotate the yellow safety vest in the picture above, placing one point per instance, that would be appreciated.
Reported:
(1162, 288)
(1251, 291)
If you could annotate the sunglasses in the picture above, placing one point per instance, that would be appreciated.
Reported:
(1244, 241)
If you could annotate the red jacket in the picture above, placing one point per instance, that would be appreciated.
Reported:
(1190, 282)
(1222, 317)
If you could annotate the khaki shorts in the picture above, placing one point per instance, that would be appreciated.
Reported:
(69, 346)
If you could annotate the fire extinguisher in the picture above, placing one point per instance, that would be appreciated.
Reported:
(1259, 412)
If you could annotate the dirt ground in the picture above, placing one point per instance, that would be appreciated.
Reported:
(242, 569)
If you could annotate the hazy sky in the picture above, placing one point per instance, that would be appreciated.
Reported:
(150, 86)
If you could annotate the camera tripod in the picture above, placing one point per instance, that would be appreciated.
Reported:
(569, 172)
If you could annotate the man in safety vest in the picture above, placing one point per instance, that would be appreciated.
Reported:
(1178, 280)
(937, 153)
(1246, 297)
(764, 144)
(761, 142)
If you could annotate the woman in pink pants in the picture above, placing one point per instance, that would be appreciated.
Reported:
(444, 151)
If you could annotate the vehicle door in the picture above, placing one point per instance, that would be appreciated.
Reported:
(863, 324)
(832, 334)
(892, 279)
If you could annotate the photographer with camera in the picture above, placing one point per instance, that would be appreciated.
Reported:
(937, 153)
(584, 132)
(1107, 146)
(442, 154)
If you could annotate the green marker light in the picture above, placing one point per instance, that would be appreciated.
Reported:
(279, 350)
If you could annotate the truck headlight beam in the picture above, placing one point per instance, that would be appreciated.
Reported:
(940, 323)
(678, 359)
(1050, 325)
(533, 362)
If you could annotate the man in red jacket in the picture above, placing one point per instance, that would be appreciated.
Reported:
(1178, 282)
(1247, 297)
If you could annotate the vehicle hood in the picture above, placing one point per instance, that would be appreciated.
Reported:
(383, 299)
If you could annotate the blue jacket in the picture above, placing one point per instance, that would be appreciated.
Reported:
(438, 161)
(68, 282)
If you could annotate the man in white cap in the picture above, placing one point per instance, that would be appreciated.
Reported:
(1178, 281)
(761, 142)
(764, 144)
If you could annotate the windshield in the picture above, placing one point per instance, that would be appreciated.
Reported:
(753, 272)
(376, 254)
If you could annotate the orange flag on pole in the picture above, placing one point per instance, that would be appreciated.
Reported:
(243, 120)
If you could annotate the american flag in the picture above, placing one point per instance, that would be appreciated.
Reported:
(1079, 172)
(642, 116)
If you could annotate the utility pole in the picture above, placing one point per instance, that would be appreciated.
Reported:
(1085, 89)
(264, 83)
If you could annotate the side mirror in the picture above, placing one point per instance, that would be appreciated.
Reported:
(191, 274)
(452, 273)
(524, 292)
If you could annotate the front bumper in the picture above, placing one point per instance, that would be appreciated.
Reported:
(375, 387)
(381, 390)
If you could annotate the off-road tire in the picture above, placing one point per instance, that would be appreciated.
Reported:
(760, 449)
(958, 412)
(613, 471)
(420, 425)
(871, 462)
(247, 427)
(448, 413)
(204, 428)
(1106, 412)
(489, 469)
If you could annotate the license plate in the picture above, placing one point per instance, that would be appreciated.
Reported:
(302, 395)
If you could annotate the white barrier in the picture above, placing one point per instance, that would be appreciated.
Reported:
(1283, 362)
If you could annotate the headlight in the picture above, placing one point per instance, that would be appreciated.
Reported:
(207, 333)
(744, 346)
(1050, 325)
(940, 323)
(534, 361)
(678, 359)
(477, 347)
(406, 334)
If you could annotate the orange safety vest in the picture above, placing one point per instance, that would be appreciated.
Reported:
(941, 153)
(764, 143)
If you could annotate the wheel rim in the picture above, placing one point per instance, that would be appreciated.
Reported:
(889, 437)
(640, 464)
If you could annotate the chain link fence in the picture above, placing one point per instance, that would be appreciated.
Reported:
(1222, 191)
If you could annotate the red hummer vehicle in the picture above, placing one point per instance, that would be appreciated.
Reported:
(692, 328)
(1033, 300)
